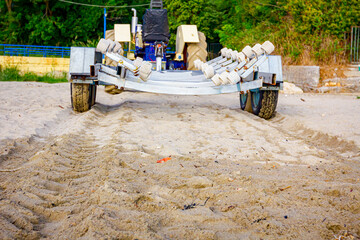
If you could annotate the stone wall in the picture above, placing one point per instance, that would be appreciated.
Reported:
(40, 65)
(305, 77)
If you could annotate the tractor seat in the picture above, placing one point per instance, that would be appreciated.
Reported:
(156, 25)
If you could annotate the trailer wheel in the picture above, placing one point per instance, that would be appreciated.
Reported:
(196, 51)
(264, 103)
(243, 100)
(81, 98)
(93, 94)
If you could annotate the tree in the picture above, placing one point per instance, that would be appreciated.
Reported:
(202, 13)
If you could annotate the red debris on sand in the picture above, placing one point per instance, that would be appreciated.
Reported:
(163, 160)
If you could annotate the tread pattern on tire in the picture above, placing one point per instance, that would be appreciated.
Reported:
(80, 96)
(196, 51)
(268, 104)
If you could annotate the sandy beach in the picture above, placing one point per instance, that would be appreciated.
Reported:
(230, 174)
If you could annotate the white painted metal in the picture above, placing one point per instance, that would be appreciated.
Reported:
(215, 60)
(244, 70)
(218, 62)
(275, 66)
(122, 61)
(102, 76)
(158, 64)
(229, 67)
(108, 70)
(226, 73)
(254, 67)
(133, 82)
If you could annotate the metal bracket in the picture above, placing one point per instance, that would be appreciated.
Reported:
(277, 87)
(83, 81)
(268, 78)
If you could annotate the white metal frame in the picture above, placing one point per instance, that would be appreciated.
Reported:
(194, 86)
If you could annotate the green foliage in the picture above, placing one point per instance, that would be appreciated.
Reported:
(303, 31)
(13, 74)
(201, 13)
(42, 22)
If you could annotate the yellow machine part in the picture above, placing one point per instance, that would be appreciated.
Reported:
(186, 34)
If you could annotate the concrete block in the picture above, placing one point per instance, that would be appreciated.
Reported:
(352, 73)
(305, 77)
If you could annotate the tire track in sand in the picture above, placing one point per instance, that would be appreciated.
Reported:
(101, 179)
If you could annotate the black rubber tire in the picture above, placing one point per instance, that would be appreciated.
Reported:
(93, 94)
(264, 104)
(243, 100)
(81, 98)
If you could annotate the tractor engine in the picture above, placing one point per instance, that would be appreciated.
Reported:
(155, 36)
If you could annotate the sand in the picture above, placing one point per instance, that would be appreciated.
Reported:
(231, 175)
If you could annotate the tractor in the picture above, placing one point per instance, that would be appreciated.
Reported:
(151, 66)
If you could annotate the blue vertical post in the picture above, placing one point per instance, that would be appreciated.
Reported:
(103, 56)
(104, 22)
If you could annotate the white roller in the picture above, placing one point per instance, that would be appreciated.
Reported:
(241, 57)
(209, 72)
(197, 64)
(117, 47)
(216, 79)
(268, 47)
(228, 53)
(138, 61)
(203, 66)
(234, 55)
(102, 46)
(145, 70)
(234, 77)
(223, 52)
(247, 51)
(224, 77)
(257, 50)
(111, 46)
